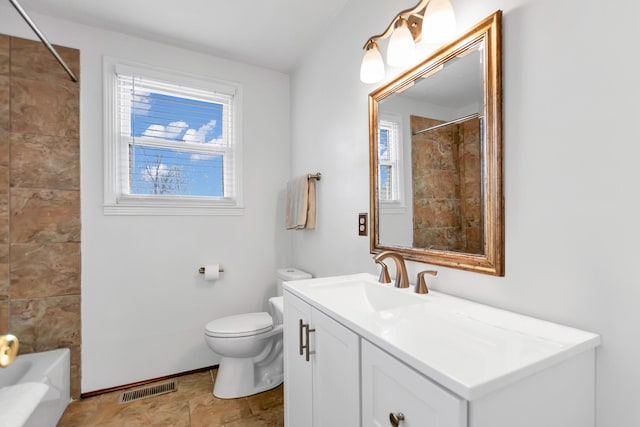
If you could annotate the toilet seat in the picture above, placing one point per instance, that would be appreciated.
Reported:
(240, 325)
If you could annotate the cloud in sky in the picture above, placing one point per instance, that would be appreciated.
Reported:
(175, 129)
(200, 136)
(170, 131)
(141, 103)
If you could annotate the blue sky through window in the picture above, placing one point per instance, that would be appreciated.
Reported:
(383, 145)
(177, 170)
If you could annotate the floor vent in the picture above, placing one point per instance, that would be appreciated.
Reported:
(143, 393)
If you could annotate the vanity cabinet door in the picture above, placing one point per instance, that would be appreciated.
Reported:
(297, 371)
(392, 389)
(336, 379)
(325, 390)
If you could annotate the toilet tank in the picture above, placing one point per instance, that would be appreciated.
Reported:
(289, 274)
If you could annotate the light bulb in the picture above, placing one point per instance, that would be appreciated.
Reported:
(401, 49)
(439, 22)
(372, 68)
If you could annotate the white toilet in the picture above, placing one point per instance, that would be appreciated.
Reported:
(250, 346)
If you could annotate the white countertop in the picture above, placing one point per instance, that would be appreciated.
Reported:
(469, 348)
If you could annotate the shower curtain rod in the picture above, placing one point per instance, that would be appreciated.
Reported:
(42, 38)
(452, 122)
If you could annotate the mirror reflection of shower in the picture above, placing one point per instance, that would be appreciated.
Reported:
(447, 184)
(437, 105)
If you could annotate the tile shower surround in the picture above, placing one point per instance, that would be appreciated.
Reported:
(40, 199)
(447, 214)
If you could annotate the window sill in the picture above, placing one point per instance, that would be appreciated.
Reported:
(392, 208)
(171, 209)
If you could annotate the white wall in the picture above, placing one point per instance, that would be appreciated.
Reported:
(571, 147)
(144, 305)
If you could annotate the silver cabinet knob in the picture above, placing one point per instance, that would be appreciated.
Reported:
(395, 419)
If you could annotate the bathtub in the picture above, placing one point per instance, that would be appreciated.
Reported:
(52, 368)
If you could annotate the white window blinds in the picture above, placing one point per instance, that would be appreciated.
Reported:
(388, 161)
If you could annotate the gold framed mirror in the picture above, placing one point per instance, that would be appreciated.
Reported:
(435, 155)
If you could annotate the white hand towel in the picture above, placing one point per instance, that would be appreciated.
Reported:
(18, 401)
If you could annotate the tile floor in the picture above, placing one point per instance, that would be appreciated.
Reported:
(193, 405)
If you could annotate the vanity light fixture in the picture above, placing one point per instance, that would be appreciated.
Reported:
(431, 21)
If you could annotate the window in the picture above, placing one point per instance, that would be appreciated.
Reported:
(389, 162)
(172, 143)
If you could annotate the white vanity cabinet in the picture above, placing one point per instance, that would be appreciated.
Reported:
(380, 356)
(321, 366)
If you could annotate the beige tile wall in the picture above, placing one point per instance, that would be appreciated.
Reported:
(447, 212)
(40, 199)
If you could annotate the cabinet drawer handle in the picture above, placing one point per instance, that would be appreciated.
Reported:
(309, 330)
(396, 418)
(305, 346)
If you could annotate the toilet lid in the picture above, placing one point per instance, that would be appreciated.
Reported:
(240, 325)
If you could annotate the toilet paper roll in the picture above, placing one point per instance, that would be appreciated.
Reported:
(212, 272)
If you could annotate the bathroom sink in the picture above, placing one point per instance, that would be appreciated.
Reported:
(361, 295)
(385, 297)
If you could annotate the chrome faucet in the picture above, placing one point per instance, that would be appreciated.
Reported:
(402, 278)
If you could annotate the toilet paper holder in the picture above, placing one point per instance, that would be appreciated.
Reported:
(202, 269)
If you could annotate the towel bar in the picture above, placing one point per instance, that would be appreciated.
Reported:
(315, 176)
